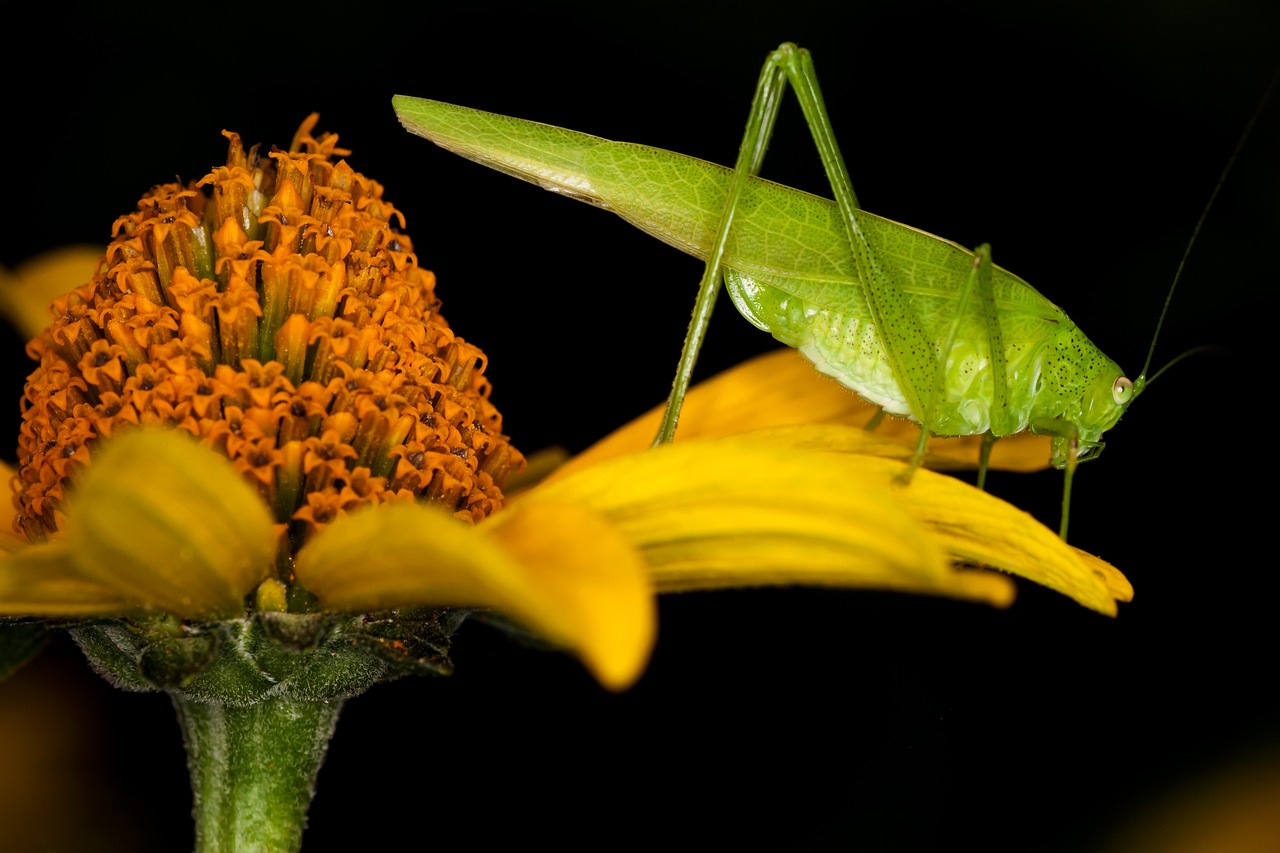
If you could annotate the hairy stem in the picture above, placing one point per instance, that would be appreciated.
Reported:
(253, 769)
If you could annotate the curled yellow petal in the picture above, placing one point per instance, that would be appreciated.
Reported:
(1118, 586)
(781, 388)
(559, 571)
(980, 529)
(598, 577)
(10, 539)
(25, 293)
(974, 527)
(719, 513)
(841, 438)
(538, 467)
(166, 522)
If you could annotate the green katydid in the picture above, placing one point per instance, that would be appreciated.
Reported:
(913, 323)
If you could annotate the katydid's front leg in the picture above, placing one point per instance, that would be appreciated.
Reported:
(1071, 432)
(1002, 420)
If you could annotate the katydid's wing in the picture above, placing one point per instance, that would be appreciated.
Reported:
(784, 237)
(543, 154)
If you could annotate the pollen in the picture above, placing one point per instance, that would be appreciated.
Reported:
(274, 309)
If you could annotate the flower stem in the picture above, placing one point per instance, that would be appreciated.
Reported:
(253, 769)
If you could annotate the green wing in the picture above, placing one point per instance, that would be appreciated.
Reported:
(790, 239)
(787, 238)
(787, 250)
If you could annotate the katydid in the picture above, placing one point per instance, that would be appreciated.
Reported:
(913, 323)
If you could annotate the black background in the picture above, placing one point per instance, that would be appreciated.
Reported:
(1082, 143)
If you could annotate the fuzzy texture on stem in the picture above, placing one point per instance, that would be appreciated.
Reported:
(253, 769)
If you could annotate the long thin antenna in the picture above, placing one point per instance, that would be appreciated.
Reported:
(1141, 382)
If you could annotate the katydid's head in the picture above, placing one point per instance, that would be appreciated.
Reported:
(1101, 400)
(1105, 398)
(1109, 392)
(1080, 393)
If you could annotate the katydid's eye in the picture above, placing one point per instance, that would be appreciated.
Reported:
(1122, 391)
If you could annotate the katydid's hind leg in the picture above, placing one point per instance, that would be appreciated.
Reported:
(899, 328)
(909, 347)
(917, 458)
(901, 333)
(760, 122)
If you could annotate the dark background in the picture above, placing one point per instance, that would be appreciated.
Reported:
(1082, 143)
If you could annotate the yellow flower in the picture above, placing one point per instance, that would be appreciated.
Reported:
(254, 407)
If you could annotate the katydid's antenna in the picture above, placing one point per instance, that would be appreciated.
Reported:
(1140, 384)
(1203, 348)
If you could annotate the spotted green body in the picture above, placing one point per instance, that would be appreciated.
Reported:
(1015, 361)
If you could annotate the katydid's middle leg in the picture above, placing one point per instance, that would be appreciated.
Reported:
(1001, 419)
(938, 388)
(978, 282)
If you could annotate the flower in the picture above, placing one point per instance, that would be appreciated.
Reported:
(343, 387)
(283, 320)
(259, 470)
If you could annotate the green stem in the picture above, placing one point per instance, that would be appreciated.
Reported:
(253, 769)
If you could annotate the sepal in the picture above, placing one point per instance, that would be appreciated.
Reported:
(264, 656)
(20, 641)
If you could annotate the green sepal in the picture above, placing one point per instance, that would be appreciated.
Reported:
(412, 641)
(114, 651)
(514, 631)
(302, 657)
(170, 661)
(258, 698)
(20, 641)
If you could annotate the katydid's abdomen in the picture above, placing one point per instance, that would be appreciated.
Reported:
(791, 271)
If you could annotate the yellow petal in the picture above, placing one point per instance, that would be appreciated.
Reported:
(25, 293)
(973, 526)
(844, 439)
(559, 571)
(980, 529)
(538, 467)
(1022, 452)
(43, 580)
(1118, 586)
(164, 521)
(598, 578)
(781, 388)
(717, 513)
(10, 539)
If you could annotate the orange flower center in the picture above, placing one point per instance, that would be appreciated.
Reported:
(275, 310)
